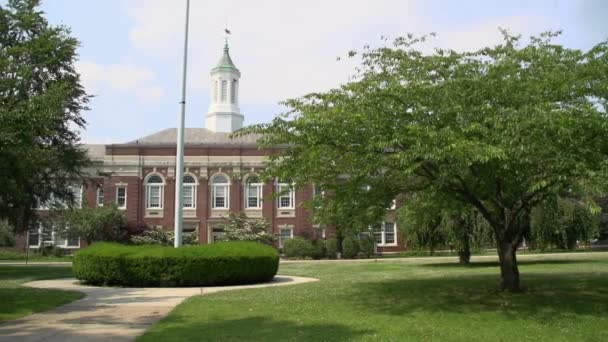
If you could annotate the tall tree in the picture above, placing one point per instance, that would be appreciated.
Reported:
(41, 100)
(499, 129)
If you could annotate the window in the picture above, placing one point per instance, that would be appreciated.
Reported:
(253, 193)
(224, 90)
(215, 91)
(317, 191)
(189, 227)
(33, 237)
(155, 187)
(286, 196)
(286, 233)
(99, 197)
(385, 234)
(77, 193)
(121, 197)
(189, 193)
(45, 235)
(233, 92)
(220, 189)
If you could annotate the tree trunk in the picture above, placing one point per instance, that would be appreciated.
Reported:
(464, 253)
(509, 273)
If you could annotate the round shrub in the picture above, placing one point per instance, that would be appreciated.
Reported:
(331, 248)
(298, 247)
(225, 263)
(350, 247)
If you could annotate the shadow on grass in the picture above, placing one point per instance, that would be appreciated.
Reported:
(251, 329)
(481, 264)
(546, 297)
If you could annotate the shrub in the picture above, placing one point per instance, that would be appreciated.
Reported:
(7, 237)
(331, 248)
(163, 237)
(350, 247)
(319, 249)
(366, 245)
(239, 227)
(224, 263)
(298, 247)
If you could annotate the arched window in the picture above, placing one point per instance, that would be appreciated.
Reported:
(155, 189)
(189, 193)
(253, 192)
(233, 92)
(224, 90)
(220, 192)
(286, 199)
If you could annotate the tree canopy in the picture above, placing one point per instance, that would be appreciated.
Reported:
(41, 100)
(499, 129)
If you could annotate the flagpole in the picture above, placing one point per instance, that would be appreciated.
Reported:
(179, 160)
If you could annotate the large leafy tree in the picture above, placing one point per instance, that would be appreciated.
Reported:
(499, 129)
(41, 100)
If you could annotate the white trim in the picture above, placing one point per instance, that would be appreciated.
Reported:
(259, 188)
(194, 187)
(161, 191)
(123, 207)
(53, 241)
(99, 203)
(291, 194)
(281, 228)
(383, 235)
(225, 187)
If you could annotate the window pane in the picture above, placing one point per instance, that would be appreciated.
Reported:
(286, 233)
(188, 197)
(33, 237)
(155, 180)
(389, 232)
(220, 202)
(73, 242)
(121, 197)
(100, 197)
(377, 230)
(189, 179)
(285, 202)
(220, 179)
(252, 202)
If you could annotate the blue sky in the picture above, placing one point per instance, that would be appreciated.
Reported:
(130, 57)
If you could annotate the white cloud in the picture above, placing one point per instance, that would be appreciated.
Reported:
(124, 78)
(285, 48)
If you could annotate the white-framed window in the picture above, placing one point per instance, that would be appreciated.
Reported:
(253, 192)
(77, 192)
(233, 91)
(189, 192)
(121, 197)
(286, 197)
(155, 189)
(224, 90)
(99, 197)
(385, 233)
(45, 235)
(220, 192)
(285, 233)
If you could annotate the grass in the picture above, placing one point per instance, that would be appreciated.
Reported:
(11, 256)
(566, 299)
(17, 301)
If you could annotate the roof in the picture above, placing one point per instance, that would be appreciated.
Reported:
(196, 136)
(225, 61)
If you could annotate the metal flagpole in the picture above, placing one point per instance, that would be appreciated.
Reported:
(179, 159)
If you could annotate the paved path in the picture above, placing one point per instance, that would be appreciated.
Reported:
(109, 313)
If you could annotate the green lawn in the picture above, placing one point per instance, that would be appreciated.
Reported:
(566, 300)
(17, 301)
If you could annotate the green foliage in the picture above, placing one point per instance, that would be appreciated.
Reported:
(91, 224)
(366, 245)
(350, 247)
(41, 100)
(7, 235)
(331, 247)
(299, 247)
(498, 129)
(320, 251)
(238, 227)
(224, 263)
(560, 223)
(165, 237)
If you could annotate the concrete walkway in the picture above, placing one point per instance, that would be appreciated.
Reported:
(109, 313)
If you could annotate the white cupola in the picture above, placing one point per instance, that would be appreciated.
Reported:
(224, 113)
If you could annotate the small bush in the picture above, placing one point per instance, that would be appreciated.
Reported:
(350, 247)
(319, 249)
(331, 248)
(298, 247)
(225, 263)
(366, 246)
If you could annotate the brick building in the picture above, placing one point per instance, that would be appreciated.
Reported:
(221, 175)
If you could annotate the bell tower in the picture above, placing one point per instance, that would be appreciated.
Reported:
(224, 113)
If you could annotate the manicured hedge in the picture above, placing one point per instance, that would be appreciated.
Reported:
(225, 263)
